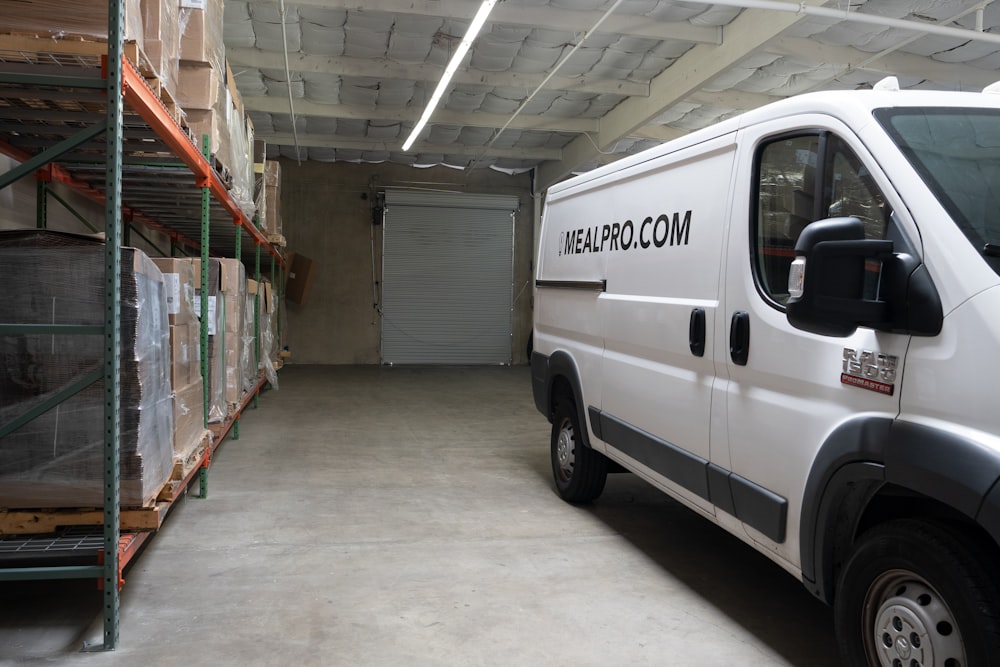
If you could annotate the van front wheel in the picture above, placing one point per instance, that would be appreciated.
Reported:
(579, 471)
(912, 594)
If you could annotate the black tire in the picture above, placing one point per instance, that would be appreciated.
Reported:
(913, 593)
(579, 471)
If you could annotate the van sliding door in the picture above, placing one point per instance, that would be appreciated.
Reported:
(660, 314)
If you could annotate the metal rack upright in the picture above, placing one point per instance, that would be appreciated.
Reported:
(53, 107)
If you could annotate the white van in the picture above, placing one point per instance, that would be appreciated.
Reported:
(790, 322)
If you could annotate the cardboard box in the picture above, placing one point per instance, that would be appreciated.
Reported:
(161, 37)
(216, 352)
(56, 460)
(235, 97)
(198, 87)
(201, 32)
(233, 285)
(301, 276)
(185, 354)
(179, 282)
(206, 121)
(189, 419)
(61, 20)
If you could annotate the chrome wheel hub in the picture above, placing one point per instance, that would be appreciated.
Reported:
(911, 624)
(565, 451)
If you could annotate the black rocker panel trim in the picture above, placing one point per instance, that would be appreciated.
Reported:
(756, 506)
(751, 503)
(595, 421)
(669, 460)
(719, 490)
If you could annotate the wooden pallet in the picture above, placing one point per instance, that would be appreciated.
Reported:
(184, 470)
(37, 522)
(276, 239)
(40, 521)
(41, 49)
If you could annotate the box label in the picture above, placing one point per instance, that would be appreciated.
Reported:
(211, 312)
(172, 283)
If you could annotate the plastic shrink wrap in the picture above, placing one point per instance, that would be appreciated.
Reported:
(57, 459)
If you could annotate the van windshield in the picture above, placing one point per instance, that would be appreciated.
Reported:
(957, 153)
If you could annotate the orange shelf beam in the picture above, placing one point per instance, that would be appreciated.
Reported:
(145, 102)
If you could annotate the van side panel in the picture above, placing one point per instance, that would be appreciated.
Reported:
(570, 278)
(657, 392)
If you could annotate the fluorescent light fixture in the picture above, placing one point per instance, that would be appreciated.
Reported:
(449, 71)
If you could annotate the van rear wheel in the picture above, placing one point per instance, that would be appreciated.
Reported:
(579, 472)
(912, 594)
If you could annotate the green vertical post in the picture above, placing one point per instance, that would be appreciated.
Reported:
(279, 304)
(256, 319)
(239, 256)
(41, 204)
(112, 323)
(206, 388)
(274, 293)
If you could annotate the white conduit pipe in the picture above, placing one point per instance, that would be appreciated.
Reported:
(909, 40)
(517, 112)
(288, 86)
(858, 17)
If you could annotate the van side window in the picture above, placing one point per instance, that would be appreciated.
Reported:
(801, 179)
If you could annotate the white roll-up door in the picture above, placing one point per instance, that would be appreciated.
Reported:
(447, 278)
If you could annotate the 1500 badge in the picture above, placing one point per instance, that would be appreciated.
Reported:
(869, 370)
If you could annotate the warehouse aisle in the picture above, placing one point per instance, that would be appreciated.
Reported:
(405, 516)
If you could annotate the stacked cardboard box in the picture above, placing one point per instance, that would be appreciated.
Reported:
(185, 355)
(216, 362)
(161, 40)
(233, 285)
(152, 25)
(267, 344)
(209, 97)
(68, 20)
(250, 354)
(57, 459)
(271, 219)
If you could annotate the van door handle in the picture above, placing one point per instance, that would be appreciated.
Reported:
(696, 332)
(739, 338)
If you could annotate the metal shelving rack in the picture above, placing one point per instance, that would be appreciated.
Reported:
(53, 108)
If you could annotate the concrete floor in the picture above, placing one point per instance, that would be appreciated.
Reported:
(399, 516)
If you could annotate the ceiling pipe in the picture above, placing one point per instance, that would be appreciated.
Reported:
(858, 17)
(517, 112)
(909, 40)
(288, 85)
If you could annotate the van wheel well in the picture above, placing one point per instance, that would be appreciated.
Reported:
(561, 391)
(890, 502)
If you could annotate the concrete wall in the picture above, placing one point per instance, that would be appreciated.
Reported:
(326, 215)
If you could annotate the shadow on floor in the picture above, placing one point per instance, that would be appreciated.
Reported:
(727, 573)
(41, 619)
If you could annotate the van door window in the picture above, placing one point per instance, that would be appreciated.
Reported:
(801, 179)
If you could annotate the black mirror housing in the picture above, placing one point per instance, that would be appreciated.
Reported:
(830, 258)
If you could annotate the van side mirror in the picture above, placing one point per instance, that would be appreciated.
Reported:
(826, 281)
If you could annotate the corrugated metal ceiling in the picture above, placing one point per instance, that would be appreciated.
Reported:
(358, 76)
